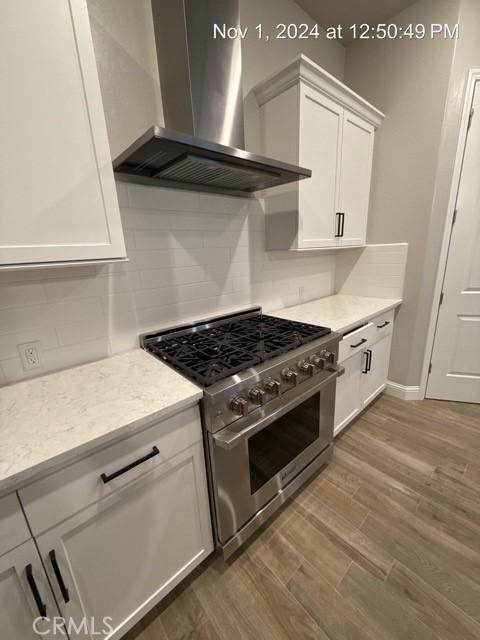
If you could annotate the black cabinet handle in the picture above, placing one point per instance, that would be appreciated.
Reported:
(362, 341)
(368, 361)
(106, 478)
(41, 606)
(340, 224)
(384, 324)
(58, 575)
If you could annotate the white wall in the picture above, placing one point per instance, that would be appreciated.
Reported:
(191, 256)
(409, 81)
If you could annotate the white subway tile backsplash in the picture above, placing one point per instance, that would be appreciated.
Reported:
(146, 240)
(9, 341)
(191, 256)
(21, 294)
(77, 332)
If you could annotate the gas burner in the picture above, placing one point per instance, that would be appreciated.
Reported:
(209, 353)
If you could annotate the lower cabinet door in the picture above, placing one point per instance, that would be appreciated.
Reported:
(114, 560)
(347, 402)
(374, 370)
(27, 608)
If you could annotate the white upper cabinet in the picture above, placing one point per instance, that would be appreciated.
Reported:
(311, 119)
(57, 192)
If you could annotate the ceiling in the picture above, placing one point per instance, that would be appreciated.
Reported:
(347, 12)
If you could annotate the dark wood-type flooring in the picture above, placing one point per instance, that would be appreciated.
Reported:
(384, 544)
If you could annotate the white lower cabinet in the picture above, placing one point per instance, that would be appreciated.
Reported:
(131, 535)
(365, 354)
(25, 596)
(375, 370)
(347, 402)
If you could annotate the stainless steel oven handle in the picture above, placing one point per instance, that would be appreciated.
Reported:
(229, 438)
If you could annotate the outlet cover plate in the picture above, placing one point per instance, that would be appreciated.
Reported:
(29, 353)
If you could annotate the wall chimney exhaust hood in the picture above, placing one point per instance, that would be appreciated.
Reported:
(202, 93)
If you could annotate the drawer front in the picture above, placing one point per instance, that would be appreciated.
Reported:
(68, 491)
(355, 341)
(13, 526)
(382, 326)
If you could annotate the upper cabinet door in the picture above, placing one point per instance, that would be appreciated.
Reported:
(57, 192)
(319, 150)
(355, 177)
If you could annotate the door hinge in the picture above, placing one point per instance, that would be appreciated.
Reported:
(454, 216)
(470, 118)
(441, 298)
(430, 368)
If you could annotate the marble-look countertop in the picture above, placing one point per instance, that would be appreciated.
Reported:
(47, 421)
(340, 312)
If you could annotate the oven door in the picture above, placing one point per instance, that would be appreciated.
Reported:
(253, 459)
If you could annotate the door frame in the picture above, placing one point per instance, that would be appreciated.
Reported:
(473, 77)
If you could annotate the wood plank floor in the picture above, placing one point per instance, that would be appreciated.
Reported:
(383, 544)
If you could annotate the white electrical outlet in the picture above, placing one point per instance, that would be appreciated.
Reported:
(30, 355)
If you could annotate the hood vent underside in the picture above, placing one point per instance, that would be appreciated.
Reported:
(169, 158)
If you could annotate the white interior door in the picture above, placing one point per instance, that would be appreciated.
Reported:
(355, 177)
(455, 372)
(320, 141)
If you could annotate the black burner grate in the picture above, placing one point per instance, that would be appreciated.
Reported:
(211, 354)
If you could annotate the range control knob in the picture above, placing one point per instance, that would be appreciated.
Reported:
(317, 361)
(306, 367)
(290, 375)
(328, 356)
(239, 406)
(257, 394)
(272, 386)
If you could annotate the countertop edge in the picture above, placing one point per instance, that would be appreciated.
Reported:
(369, 316)
(31, 474)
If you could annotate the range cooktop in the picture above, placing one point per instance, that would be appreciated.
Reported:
(207, 352)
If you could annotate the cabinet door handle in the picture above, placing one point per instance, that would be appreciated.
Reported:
(362, 341)
(59, 577)
(106, 478)
(384, 324)
(41, 606)
(340, 224)
(368, 360)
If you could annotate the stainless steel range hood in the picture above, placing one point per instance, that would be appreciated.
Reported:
(202, 93)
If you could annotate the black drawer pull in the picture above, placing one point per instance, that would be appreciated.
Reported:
(340, 224)
(384, 324)
(368, 361)
(41, 606)
(154, 452)
(362, 341)
(58, 575)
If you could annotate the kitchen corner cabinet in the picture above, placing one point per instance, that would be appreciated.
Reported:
(365, 355)
(311, 119)
(25, 594)
(119, 529)
(58, 200)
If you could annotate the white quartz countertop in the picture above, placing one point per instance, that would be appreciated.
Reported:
(47, 421)
(341, 312)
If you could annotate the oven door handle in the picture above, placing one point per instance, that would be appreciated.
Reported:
(229, 438)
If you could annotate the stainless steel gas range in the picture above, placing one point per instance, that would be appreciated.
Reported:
(267, 409)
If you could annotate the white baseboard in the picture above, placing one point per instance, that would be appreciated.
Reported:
(401, 391)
